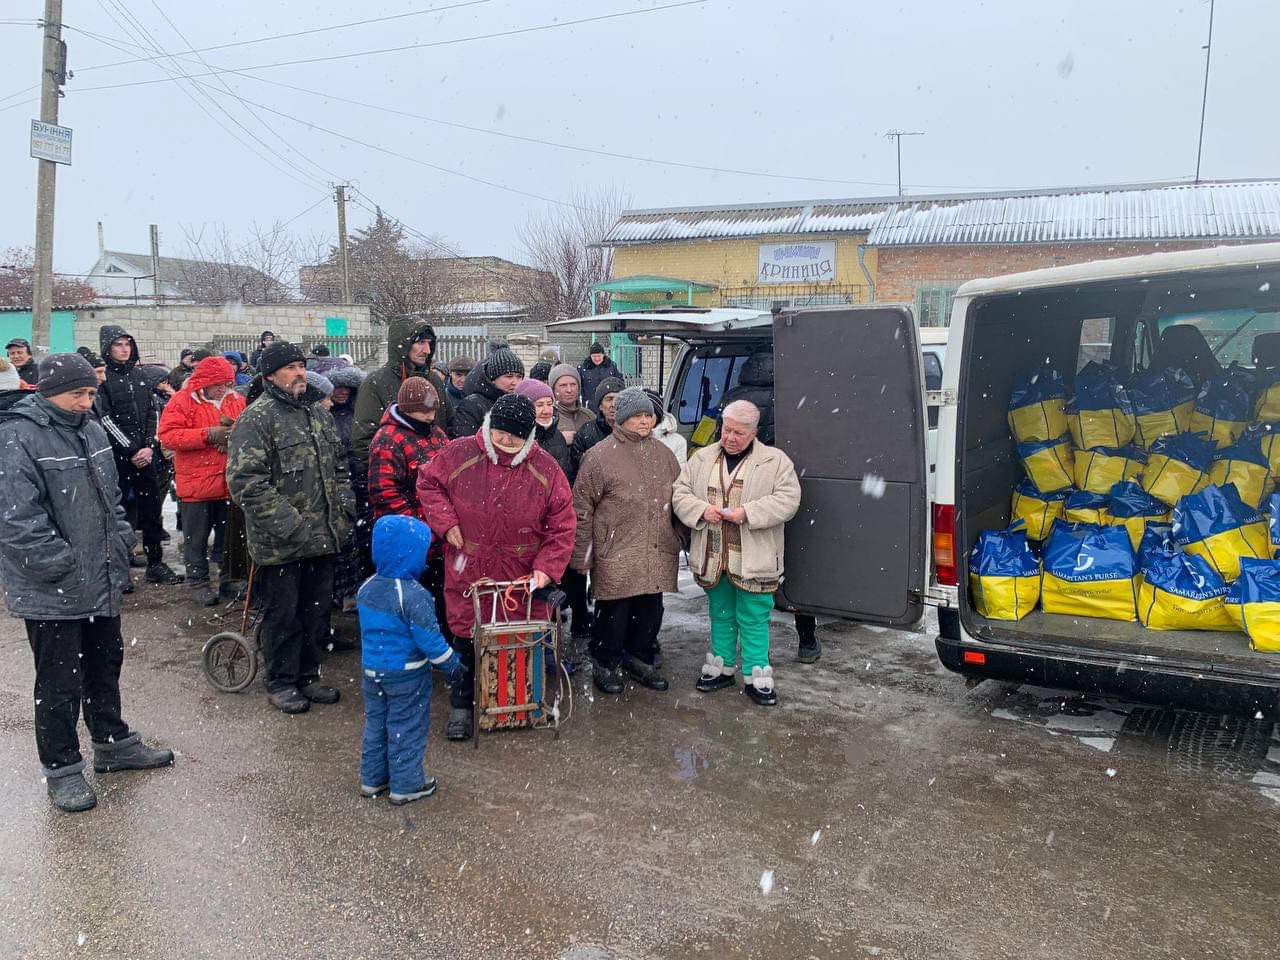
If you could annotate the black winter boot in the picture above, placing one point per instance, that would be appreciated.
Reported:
(161, 573)
(714, 676)
(643, 674)
(607, 680)
(318, 692)
(129, 754)
(69, 790)
(810, 649)
(289, 700)
(458, 726)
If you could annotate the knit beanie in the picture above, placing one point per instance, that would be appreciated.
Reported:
(463, 364)
(534, 390)
(502, 361)
(607, 386)
(320, 382)
(596, 347)
(564, 370)
(9, 379)
(64, 372)
(540, 370)
(280, 354)
(417, 395)
(630, 402)
(514, 414)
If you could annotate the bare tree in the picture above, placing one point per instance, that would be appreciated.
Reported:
(17, 282)
(393, 275)
(561, 243)
(257, 269)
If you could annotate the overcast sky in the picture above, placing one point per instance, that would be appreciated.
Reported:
(1010, 94)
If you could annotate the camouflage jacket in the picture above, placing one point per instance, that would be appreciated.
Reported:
(287, 472)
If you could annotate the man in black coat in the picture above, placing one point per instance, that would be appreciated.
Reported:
(19, 351)
(128, 411)
(600, 427)
(597, 368)
(497, 374)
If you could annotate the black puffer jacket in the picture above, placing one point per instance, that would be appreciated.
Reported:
(481, 395)
(64, 538)
(755, 383)
(126, 404)
(597, 429)
(551, 440)
(592, 376)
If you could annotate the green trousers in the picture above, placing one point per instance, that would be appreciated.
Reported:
(738, 616)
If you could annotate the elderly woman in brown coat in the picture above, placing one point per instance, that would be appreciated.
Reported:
(626, 541)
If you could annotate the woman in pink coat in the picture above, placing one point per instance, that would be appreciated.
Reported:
(505, 511)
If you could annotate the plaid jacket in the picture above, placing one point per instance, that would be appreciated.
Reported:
(396, 453)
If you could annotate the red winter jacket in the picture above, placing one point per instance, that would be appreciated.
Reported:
(516, 515)
(199, 468)
(396, 453)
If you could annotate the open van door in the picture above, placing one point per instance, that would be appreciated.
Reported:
(849, 411)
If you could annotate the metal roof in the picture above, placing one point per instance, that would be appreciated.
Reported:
(1222, 210)
(671, 320)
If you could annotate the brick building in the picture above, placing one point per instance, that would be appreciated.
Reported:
(919, 249)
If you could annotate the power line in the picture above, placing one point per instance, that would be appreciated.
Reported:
(289, 146)
(412, 46)
(404, 156)
(289, 169)
(298, 216)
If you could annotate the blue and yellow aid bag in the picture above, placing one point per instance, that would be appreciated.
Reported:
(1049, 463)
(1258, 594)
(1177, 466)
(1271, 510)
(1037, 510)
(1036, 407)
(1089, 571)
(1004, 575)
(1100, 469)
(1182, 592)
(1222, 410)
(1246, 467)
(1085, 507)
(1099, 414)
(1267, 409)
(1217, 525)
(1162, 401)
(1133, 508)
(1157, 541)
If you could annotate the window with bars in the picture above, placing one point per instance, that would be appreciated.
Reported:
(933, 305)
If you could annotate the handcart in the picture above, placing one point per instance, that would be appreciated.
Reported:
(511, 685)
(230, 657)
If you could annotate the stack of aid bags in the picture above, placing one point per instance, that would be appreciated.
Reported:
(1143, 501)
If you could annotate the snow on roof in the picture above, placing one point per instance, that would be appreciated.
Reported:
(1225, 210)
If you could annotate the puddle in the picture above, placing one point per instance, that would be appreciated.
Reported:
(690, 764)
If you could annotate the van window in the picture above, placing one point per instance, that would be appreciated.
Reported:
(706, 382)
(1095, 341)
(1230, 334)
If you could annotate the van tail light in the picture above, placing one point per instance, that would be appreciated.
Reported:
(944, 544)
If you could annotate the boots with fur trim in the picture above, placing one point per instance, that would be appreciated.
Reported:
(715, 675)
(759, 687)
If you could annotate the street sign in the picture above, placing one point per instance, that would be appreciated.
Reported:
(50, 142)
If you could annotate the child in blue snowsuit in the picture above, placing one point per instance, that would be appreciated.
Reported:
(400, 642)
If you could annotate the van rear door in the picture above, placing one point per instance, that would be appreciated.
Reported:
(849, 411)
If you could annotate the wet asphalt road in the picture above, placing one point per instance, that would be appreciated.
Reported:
(901, 815)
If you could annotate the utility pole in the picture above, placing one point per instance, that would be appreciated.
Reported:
(340, 194)
(897, 135)
(156, 296)
(1204, 97)
(53, 74)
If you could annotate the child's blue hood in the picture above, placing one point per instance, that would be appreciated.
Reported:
(400, 546)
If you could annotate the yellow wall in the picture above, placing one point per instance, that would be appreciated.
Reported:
(732, 264)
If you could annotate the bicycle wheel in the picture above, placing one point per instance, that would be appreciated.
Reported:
(230, 663)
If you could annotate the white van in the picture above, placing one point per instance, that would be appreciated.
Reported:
(1199, 310)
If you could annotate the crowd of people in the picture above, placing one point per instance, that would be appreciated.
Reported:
(390, 494)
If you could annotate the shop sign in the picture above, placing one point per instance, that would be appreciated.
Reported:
(812, 262)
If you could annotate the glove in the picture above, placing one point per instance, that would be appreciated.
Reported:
(225, 421)
(453, 668)
(218, 435)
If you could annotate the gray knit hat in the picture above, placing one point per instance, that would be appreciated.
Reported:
(319, 382)
(564, 370)
(502, 361)
(64, 372)
(630, 402)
